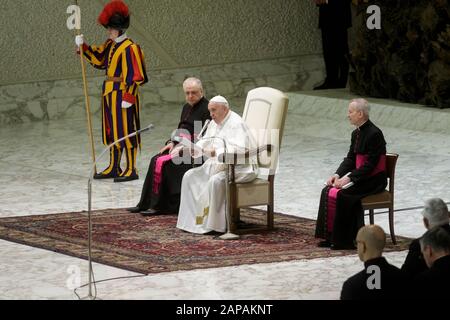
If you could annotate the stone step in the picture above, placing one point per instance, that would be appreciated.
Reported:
(333, 104)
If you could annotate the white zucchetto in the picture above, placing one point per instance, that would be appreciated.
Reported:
(219, 99)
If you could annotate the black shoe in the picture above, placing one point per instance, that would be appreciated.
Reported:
(133, 176)
(324, 244)
(101, 175)
(134, 209)
(150, 212)
(343, 247)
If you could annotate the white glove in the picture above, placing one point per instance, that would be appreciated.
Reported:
(126, 105)
(79, 40)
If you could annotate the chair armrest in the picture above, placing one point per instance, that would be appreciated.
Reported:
(242, 157)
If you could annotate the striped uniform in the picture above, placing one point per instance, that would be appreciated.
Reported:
(125, 72)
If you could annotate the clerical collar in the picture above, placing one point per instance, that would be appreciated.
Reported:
(362, 125)
(121, 38)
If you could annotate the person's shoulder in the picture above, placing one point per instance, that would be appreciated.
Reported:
(357, 278)
(131, 45)
(241, 121)
(373, 131)
(132, 42)
(354, 286)
(235, 121)
(204, 102)
(394, 269)
(235, 114)
(415, 245)
(373, 126)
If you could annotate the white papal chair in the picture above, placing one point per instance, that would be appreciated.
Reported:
(264, 113)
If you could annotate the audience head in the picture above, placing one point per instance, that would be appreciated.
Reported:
(193, 90)
(435, 213)
(358, 111)
(370, 242)
(218, 108)
(435, 244)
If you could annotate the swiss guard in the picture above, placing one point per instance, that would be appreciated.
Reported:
(124, 65)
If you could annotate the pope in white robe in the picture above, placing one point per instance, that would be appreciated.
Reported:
(203, 189)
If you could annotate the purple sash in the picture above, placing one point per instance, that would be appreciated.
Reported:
(157, 172)
(333, 192)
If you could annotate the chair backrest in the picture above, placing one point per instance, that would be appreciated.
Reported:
(391, 161)
(265, 114)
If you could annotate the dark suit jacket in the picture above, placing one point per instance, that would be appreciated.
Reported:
(391, 279)
(335, 14)
(435, 282)
(414, 262)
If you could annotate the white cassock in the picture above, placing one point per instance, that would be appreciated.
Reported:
(202, 205)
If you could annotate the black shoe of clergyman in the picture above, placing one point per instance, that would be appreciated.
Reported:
(150, 212)
(133, 176)
(343, 247)
(134, 209)
(324, 244)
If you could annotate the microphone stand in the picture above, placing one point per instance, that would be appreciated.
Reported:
(91, 174)
(205, 126)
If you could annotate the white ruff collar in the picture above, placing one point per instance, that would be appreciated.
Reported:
(121, 38)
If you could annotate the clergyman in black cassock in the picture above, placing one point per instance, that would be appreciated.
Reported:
(162, 185)
(340, 212)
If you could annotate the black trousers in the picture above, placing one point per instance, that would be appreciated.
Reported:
(335, 54)
(167, 198)
(349, 212)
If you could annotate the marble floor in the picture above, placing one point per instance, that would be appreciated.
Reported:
(45, 166)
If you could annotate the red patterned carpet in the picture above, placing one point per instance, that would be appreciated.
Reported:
(153, 244)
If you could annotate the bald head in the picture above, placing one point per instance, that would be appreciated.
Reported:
(371, 240)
